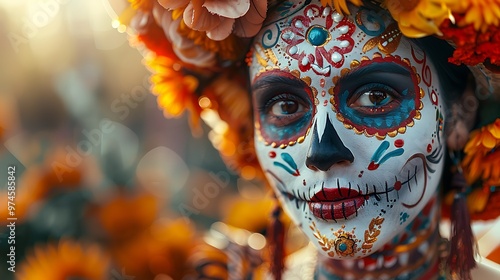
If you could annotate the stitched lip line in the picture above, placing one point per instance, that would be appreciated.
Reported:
(352, 191)
(365, 190)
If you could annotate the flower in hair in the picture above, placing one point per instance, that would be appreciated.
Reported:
(340, 5)
(472, 47)
(479, 13)
(144, 5)
(174, 88)
(482, 154)
(418, 18)
(221, 18)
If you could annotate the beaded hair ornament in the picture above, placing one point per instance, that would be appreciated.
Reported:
(196, 52)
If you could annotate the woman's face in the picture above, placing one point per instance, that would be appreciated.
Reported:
(348, 124)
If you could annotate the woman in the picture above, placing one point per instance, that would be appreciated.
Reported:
(348, 118)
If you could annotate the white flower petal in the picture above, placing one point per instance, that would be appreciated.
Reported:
(228, 8)
(222, 31)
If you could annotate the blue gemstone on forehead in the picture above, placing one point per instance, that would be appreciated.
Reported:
(342, 247)
(317, 35)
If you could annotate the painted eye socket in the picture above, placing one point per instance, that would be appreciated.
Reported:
(378, 97)
(283, 107)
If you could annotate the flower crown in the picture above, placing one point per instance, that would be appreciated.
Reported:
(194, 49)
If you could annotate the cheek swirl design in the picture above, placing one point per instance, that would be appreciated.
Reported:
(292, 166)
(377, 158)
(314, 46)
(390, 79)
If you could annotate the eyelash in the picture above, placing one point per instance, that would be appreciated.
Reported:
(373, 86)
(267, 105)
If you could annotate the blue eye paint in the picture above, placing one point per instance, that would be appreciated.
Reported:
(272, 132)
(378, 96)
(385, 119)
(288, 124)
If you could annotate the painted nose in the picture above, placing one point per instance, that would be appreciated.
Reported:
(327, 151)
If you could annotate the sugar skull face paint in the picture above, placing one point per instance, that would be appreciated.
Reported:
(348, 124)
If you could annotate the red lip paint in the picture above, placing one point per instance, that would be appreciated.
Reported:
(336, 203)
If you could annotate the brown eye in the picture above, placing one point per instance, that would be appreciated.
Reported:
(374, 98)
(286, 107)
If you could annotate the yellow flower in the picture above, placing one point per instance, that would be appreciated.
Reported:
(418, 18)
(145, 5)
(480, 13)
(340, 5)
(482, 155)
(175, 90)
(67, 260)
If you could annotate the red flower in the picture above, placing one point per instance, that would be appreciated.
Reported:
(473, 47)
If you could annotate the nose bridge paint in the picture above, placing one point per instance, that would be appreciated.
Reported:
(329, 149)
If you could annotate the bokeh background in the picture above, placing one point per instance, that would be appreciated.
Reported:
(106, 187)
(105, 184)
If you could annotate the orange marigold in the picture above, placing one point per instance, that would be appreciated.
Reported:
(340, 5)
(482, 154)
(67, 260)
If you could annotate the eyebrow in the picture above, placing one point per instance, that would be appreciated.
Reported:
(279, 78)
(384, 67)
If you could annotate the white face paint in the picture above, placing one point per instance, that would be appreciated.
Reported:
(348, 124)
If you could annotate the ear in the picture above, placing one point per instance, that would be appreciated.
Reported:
(461, 117)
